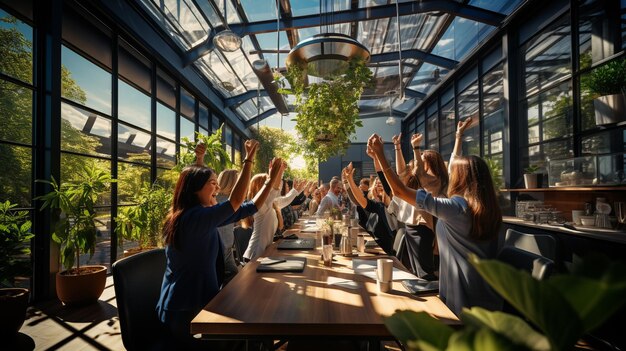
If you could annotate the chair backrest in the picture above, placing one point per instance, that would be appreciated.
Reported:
(538, 266)
(539, 244)
(137, 280)
(242, 238)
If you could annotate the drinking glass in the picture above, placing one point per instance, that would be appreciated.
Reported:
(327, 255)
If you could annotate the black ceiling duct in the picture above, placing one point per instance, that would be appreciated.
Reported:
(262, 70)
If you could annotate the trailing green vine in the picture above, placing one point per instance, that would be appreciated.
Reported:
(328, 112)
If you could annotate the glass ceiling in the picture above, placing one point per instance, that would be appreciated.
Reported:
(433, 40)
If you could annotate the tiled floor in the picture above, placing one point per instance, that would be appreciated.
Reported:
(50, 326)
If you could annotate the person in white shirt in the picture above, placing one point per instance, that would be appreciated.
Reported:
(265, 221)
(331, 199)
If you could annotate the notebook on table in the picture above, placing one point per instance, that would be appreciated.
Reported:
(282, 264)
(421, 286)
(297, 244)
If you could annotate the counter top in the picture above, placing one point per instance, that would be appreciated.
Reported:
(590, 232)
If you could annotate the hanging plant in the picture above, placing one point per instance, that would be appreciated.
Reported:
(327, 112)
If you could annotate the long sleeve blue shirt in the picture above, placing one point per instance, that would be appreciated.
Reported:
(195, 269)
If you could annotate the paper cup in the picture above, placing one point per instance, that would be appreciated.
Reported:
(384, 269)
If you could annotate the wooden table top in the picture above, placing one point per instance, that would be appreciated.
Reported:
(303, 304)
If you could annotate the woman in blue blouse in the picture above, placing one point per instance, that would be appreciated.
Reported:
(469, 221)
(194, 251)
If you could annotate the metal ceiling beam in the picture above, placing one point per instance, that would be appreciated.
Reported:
(252, 121)
(414, 93)
(237, 99)
(416, 54)
(362, 14)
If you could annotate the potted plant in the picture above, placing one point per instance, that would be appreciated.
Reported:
(76, 231)
(562, 308)
(607, 84)
(15, 238)
(143, 222)
(328, 112)
(530, 176)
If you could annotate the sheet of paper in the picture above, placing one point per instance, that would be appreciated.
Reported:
(368, 268)
(344, 283)
(310, 229)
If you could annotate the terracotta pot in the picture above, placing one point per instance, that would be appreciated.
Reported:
(83, 288)
(13, 304)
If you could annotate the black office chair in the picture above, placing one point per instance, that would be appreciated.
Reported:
(540, 244)
(242, 238)
(137, 280)
(538, 266)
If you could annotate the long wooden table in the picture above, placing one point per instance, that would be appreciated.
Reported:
(291, 305)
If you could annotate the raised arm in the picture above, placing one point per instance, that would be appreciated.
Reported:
(347, 176)
(397, 146)
(200, 151)
(416, 140)
(458, 140)
(238, 194)
(399, 189)
(261, 196)
(370, 153)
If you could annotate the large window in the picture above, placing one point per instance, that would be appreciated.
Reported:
(547, 112)
(16, 122)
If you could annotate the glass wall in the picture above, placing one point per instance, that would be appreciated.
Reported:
(16, 118)
(111, 118)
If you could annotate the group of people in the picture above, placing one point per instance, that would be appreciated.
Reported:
(452, 209)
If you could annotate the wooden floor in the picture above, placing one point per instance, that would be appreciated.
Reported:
(50, 326)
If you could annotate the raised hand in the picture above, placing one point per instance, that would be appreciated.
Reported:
(347, 172)
(200, 149)
(416, 139)
(251, 147)
(275, 166)
(375, 143)
(396, 139)
(462, 125)
(299, 185)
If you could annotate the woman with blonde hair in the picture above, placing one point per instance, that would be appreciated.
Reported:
(226, 181)
(265, 222)
(469, 222)
(316, 198)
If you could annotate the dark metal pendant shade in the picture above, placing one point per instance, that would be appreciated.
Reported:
(326, 55)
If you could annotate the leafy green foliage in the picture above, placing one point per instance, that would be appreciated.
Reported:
(495, 170)
(76, 200)
(215, 157)
(563, 308)
(531, 169)
(15, 238)
(328, 113)
(608, 79)
(143, 222)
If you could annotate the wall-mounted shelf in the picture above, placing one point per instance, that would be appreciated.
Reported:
(569, 188)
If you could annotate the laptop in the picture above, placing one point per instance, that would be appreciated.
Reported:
(282, 264)
(421, 286)
(297, 244)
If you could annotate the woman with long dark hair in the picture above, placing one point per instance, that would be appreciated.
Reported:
(469, 221)
(194, 251)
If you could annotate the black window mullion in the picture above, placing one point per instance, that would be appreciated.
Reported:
(114, 142)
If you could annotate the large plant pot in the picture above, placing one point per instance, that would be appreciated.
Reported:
(13, 304)
(530, 181)
(610, 109)
(82, 288)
